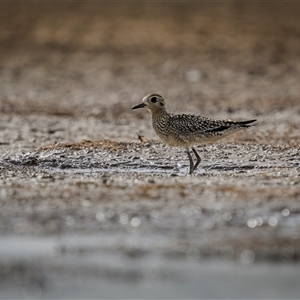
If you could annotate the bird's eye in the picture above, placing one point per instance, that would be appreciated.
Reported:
(153, 99)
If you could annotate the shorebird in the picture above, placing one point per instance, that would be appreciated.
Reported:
(186, 130)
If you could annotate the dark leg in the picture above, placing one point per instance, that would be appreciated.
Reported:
(198, 159)
(191, 160)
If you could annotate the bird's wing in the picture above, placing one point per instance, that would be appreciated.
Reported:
(190, 124)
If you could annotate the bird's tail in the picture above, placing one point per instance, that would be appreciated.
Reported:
(246, 123)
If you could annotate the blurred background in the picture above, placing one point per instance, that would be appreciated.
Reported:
(97, 59)
(71, 71)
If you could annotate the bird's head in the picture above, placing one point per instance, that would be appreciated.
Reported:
(152, 102)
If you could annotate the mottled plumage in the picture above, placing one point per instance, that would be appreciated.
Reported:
(186, 130)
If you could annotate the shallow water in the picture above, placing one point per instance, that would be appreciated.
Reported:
(124, 225)
(93, 266)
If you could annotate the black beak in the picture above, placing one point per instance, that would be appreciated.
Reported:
(139, 106)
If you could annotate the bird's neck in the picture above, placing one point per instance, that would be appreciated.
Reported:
(159, 115)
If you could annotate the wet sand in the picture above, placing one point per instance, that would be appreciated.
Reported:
(93, 205)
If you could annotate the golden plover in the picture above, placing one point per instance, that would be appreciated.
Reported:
(186, 130)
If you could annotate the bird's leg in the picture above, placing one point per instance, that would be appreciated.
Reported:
(198, 159)
(191, 160)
